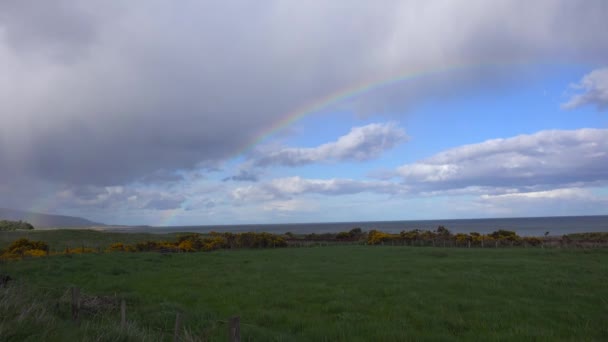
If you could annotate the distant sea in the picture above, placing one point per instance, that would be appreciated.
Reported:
(524, 226)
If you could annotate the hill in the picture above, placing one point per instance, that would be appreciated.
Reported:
(46, 220)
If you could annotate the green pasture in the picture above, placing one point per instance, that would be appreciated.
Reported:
(336, 293)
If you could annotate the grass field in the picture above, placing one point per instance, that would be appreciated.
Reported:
(338, 293)
(59, 239)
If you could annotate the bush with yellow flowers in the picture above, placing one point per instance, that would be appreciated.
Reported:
(25, 248)
(375, 237)
(116, 247)
(186, 246)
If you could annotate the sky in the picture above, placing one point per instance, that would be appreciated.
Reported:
(237, 112)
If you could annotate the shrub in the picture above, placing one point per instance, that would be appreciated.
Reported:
(24, 247)
(443, 232)
(356, 232)
(411, 235)
(462, 237)
(532, 241)
(505, 235)
(186, 246)
(15, 225)
(35, 253)
(116, 247)
(194, 241)
(343, 236)
(25, 244)
(375, 237)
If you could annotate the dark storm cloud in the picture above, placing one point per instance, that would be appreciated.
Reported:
(60, 30)
(161, 176)
(105, 93)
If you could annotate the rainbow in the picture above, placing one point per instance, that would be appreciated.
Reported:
(339, 96)
(353, 91)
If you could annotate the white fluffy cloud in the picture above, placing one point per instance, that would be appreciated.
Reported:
(546, 158)
(360, 144)
(562, 201)
(567, 193)
(289, 186)
(593, 90)
(525, 166)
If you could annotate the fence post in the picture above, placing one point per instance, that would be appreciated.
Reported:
(234, 332)
(75, 304)
(123, 314)
(178, 323)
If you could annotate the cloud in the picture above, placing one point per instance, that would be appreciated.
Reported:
(164, 203)
(360, 144)
(565, 201)
(87, 198)
(546, 158)
(290, 205)
(567, 193)
(284, 188)
(107, 93)
(104, 93)
(243, 176)
(62, 31)
(594, 91)
(161, 176)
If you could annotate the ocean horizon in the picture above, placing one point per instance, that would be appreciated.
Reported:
(524, 226)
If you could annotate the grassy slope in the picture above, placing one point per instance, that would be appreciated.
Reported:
(344, 293)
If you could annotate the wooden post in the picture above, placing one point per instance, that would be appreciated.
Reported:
(234, 332)
(178, 324)
(123, 314)
(75, 304)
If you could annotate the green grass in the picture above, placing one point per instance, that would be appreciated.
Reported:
(339, 293)
(59, 239)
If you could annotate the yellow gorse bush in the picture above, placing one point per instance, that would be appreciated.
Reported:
(116, 247)
(35, 253)
(25, 248)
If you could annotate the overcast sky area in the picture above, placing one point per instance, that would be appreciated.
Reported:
(230, 112)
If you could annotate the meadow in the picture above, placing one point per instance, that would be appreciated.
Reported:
(59, 239)
(335, 293)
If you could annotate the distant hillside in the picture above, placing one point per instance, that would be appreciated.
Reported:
(46, 220)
